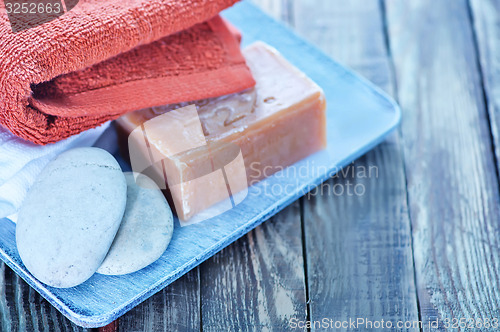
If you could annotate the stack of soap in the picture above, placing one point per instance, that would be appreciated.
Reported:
(273, 125)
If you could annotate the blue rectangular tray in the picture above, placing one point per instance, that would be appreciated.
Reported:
(359, 117)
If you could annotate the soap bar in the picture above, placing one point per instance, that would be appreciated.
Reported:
(239, 138)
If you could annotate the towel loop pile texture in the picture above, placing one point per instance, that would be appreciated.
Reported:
(105, 58)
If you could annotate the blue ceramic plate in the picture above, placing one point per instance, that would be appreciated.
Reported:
(359, 117)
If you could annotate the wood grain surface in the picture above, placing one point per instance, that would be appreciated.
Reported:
(452, 182)
(358, 244)
(175, 308)
(486, 19)
(23, 309)
(257, 283)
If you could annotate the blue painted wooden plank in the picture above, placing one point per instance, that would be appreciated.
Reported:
(357, 227)
(23, 309)
(486, 19)
(257, 283)
(175, 308)
(452, 182)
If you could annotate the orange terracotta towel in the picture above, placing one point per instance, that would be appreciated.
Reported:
(105, 58)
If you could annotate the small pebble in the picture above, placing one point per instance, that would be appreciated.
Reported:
(70, 216)
(145, 231)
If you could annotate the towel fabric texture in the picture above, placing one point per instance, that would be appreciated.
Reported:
(22, 161)
(105, 58)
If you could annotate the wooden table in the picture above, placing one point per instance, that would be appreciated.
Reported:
(421, 243)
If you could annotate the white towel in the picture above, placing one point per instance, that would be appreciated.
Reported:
(22, 161)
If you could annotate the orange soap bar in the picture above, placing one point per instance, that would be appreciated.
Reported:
(210, 150)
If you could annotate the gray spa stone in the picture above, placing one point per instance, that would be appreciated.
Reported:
(145, 231)
(70, 216)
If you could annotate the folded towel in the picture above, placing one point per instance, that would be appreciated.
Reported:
(22, 161)
(105, 58)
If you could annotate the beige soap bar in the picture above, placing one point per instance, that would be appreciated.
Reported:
(239, 138)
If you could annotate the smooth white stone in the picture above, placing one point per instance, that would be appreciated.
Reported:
(145, 231)
(70, 216)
